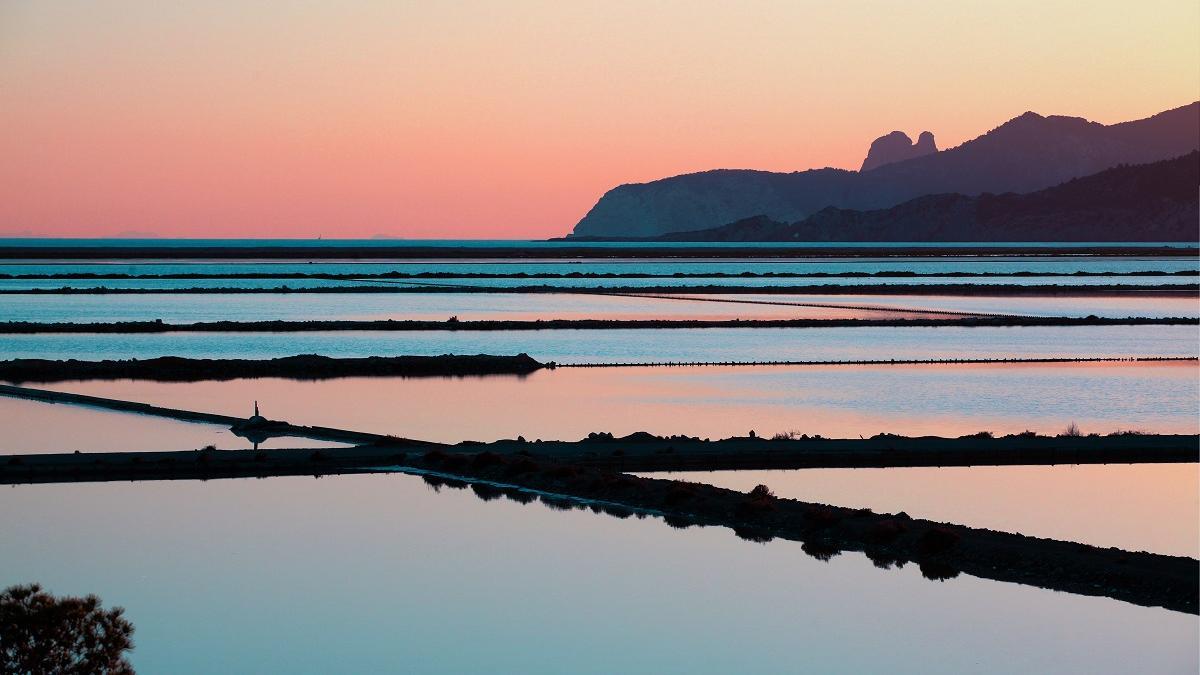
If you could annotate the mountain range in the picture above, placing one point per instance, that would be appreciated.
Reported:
(1147, 202)
(1025, 154)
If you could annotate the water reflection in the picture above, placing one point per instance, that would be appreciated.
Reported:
(376, 573)
(34, 427)
(639, 346)
(838, 402)
(1137, 507)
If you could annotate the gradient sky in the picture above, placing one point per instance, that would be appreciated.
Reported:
(509, 119)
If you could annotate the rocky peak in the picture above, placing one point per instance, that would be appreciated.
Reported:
(897, 147)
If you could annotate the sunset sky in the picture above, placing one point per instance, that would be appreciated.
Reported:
(509, 119)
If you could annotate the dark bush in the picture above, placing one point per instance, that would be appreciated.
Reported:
(520, 466)
(485, 492)
(40, 633)
(821, 516)
(761, 492)
(486, 459)
(679, 493)
(885, 531)
(753, 534)
(820, 550)
(678, 522)
(937, 570)
(562, 472)
(937, 540)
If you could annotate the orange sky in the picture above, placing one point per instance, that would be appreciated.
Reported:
(509, 119)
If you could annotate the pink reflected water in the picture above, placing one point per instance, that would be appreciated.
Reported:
(835, 401)
(33, 427)
(1151, 507)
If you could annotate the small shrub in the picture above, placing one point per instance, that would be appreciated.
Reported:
(761, 492)
(1072, 431)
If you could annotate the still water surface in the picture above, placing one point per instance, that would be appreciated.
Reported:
(636, 346)
(378, 573)
(716, 402)
(1137, 507)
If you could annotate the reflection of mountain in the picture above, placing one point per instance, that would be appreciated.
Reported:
(1149, 202)
(1027, 153)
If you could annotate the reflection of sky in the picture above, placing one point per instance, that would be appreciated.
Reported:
(35, 427)
(470, 306)
(1138, 507)
(379, 574)
(712, 401)
(626, 345)
(25, 284)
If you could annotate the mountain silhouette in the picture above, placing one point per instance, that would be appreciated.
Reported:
(897, 147)
(1147, 202)
(1027, 153)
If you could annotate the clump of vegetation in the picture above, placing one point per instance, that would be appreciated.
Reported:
(1130, 432)
(821, 516)
(678, 522)
(41, 633)
(980, 434)
(792, 435)
(937, 570)
(562, 472)
(821, 550)
(761, 492)
(1072, 431)
(486, 459)
(520, 466)
(679, 493)
(886, 531)
(485, 492)
(753, 534)
(758, 501)
(937, 540)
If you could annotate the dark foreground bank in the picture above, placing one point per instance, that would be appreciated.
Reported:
(302, 367)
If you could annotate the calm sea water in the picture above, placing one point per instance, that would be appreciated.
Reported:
(378, 573)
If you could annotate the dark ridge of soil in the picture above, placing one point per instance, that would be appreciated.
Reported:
(302, 367)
